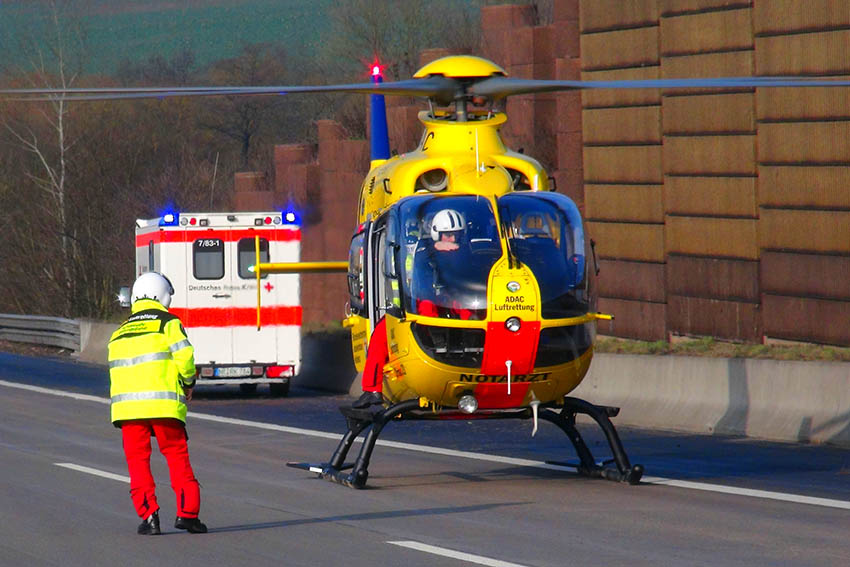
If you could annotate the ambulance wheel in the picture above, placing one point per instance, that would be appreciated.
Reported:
(247, 388)
(279, 390)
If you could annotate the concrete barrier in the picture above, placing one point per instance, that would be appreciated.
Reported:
(768, 399)
(94, 336)
(326, 362)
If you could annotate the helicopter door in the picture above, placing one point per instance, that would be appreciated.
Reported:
(375, 258)
(389, 270)
(357, 298)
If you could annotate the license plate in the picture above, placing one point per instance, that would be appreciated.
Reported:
(233, 371)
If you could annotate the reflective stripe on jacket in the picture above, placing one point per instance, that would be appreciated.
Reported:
(150, 360)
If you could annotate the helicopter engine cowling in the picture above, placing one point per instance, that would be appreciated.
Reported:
(433, 180)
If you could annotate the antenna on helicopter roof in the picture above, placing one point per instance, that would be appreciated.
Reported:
(477, 168)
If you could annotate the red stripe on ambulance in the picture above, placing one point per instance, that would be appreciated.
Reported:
(238, 316)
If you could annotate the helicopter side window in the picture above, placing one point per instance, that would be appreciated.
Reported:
(519, 182)
(391, 266)
(356, 276)
(384, 288)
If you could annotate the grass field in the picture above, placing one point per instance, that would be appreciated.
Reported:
(707, 346)
(135, 30)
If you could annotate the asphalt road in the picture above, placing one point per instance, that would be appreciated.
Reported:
(439, 493)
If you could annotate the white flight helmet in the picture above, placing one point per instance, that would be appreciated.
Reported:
(447, 220)
(153, 285)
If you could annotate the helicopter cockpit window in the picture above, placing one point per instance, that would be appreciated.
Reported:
(447, 247)
(545, 233)
(356, 278)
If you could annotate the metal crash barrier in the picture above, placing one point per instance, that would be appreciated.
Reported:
(40, 330)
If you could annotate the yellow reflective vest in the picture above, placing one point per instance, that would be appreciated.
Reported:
(150, 361)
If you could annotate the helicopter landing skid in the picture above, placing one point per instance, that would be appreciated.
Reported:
(358, 420)
(566, 420)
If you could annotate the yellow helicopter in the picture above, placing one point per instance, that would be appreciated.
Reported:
(476, 272)
(479, 271)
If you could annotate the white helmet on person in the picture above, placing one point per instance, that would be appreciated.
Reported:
(447, 220)
(153, 285)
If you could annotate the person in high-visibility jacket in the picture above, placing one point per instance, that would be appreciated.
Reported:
(152, 373)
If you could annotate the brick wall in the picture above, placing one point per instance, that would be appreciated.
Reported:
(748, 188)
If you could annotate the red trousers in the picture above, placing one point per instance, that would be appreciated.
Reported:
(171, 438)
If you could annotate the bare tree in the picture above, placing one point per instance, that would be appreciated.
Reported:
(242, 119)
(157, 69)
(395, 31)
(55, 61)
(544, 10)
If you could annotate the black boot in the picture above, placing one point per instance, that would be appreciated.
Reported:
(191, 525)
(368, 399)
(150, 526)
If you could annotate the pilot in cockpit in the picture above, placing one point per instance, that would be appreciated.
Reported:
(446, 230)
(435, 255)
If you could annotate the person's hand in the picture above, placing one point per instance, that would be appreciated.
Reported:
(188, 391)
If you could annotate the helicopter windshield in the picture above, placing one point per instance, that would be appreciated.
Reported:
(545, 233)
(449, 245)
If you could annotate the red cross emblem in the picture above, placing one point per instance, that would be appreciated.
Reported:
(268, 286)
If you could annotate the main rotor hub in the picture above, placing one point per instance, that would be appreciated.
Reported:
(461, 67)
(464, 71)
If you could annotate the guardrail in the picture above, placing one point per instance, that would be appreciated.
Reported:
(35, 329)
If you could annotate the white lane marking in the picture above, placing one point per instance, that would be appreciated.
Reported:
(798, 498)
(95, 472)
(490, 562)
(719, 488)
(54, 392)
(268, 426)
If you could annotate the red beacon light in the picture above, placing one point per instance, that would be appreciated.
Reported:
(376, 70)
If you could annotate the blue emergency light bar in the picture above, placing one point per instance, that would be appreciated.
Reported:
(169, 219)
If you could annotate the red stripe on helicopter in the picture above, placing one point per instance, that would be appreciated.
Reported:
(501, 345)
(495, 396)
(179, 235)
(272, 316)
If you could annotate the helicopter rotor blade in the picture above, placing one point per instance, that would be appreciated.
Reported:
(442, 89)
(500, 87)
(436, 87)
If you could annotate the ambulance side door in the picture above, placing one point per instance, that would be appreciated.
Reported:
(209, 313)
(249, 343)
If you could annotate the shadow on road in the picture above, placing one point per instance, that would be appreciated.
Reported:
(368, 516)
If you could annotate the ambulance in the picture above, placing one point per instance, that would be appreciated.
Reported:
(209, 258)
